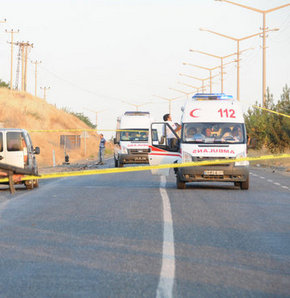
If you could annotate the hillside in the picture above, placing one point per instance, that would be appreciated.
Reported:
(23, 110)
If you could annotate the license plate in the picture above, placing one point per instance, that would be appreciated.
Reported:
(213, 173)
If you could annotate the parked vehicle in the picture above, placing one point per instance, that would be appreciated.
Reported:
(212, 128)
(17, 151)
(132, 138)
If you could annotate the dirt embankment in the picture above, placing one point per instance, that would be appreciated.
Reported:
(23, 110)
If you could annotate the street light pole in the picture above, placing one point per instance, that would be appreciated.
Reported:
(202, 80)
(169, 100)
(136, 105)
(222, 62)
(264, 30)
(238, 40)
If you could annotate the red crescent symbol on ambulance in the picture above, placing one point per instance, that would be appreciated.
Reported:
(191, 113)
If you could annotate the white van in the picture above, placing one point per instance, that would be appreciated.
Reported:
(131, 140)
(16, 151)
(212, 128)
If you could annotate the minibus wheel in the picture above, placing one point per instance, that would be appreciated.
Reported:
(29, 184)
(245, 184)
(180, 184)
(116, 162)
(35, 183)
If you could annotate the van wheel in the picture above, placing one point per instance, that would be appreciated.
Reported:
(245, 184)
(120, 164)
(35, 183)
(29, 184)
(180, 184)
(116, 162)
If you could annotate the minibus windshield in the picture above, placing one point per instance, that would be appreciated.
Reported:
(134, 135)
(217, 133)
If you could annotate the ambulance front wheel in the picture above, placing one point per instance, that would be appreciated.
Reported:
(180, 184)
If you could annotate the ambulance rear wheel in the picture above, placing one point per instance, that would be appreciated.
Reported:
(116, 162)
(180, 184)
(120, 164)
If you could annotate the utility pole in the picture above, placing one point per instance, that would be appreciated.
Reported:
(238, 40)
(24, 46)
(222, 62)
(264, 30)
(11, 42)
(44, 91)
(35, 63)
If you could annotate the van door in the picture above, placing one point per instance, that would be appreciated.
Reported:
(164, 147)
(13, 149)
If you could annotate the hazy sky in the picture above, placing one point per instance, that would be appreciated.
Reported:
(96, 53)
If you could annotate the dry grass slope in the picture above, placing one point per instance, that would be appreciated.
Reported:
(22, 110)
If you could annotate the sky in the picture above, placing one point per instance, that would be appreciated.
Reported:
(100, 55)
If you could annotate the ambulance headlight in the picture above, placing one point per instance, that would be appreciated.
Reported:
(124, 150)
(186, 157)
(243, 163)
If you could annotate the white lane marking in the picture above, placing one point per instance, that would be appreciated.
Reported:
(277, 183)
(262, 177)
(166, 279)
(254, 175)
(269, 180)
(286, 187)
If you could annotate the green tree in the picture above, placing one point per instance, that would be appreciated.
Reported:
(268, 129)
(84, 118)
(4, 84)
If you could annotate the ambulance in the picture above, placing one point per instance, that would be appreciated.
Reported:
(131, 139)
(212, 128)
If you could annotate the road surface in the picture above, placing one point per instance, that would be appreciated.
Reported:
(136, 235)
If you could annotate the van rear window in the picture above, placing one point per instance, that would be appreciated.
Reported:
(15, 141)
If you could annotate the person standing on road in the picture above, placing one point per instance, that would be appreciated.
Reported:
(101, 149)
(169, 135)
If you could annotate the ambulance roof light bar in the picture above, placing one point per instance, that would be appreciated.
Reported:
(211, 96)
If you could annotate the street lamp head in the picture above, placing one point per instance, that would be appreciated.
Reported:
(202, 29)
(184, 63)
(276, 29)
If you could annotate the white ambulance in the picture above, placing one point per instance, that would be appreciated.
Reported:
(212, 128)
(131, 140)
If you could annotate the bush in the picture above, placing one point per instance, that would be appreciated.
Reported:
(269, 129)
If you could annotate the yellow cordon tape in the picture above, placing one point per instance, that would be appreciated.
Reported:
(146, 168)
(272, 111)
(81, 130)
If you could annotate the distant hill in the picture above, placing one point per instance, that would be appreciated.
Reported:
(23, 110)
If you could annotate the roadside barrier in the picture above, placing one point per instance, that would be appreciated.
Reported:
(146, 168)
(271, 111)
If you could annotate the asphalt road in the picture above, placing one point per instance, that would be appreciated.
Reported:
(136, 235)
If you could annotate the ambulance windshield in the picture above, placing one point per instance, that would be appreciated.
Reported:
(217, 133)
